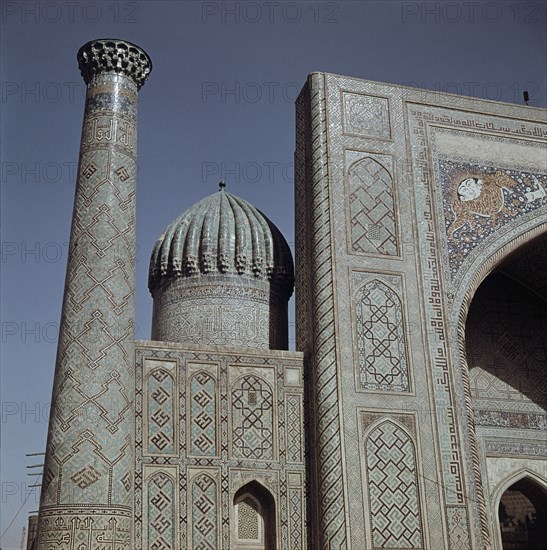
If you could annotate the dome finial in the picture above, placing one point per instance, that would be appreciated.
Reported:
(221, 185)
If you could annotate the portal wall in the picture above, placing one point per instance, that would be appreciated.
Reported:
(405, 200)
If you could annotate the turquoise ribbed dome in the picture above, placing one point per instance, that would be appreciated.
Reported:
(222, 234)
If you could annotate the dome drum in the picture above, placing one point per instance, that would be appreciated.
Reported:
(221, 311)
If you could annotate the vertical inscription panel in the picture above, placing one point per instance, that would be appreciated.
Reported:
(204, 506)
(161, 406)
(203, 415)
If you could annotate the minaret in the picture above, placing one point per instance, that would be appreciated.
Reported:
(87, 491)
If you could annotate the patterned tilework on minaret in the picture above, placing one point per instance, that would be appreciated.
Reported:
(88, 477)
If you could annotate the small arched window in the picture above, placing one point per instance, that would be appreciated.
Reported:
(254, 518)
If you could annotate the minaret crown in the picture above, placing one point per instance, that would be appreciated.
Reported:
(108, 55)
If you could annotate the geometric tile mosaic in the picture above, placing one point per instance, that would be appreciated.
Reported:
(380, 338)
(372, 214)
(392, 488)
(295, 503)
(248, 520)
(366, 115)
(89, 450)
(294, 428)
(252, 418)
(316, 311)
(458, 528)
(206, 517)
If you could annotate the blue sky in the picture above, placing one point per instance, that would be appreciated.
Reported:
(218, 105)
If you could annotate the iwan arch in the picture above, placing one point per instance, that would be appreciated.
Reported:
(413, 414)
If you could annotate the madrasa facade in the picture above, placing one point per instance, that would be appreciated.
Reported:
(412, 414)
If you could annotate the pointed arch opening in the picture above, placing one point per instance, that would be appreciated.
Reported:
(522, 515)
(254, 518)
(505, 341)
(501, 332)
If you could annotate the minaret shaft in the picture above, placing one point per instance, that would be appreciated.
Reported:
(87, 489)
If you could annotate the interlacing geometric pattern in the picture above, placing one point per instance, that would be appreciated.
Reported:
(248, 520)
(252, 418)
(161, 512)
(294, 428)
(295, 506)
(204, 513)
(161, 437)
(372, 211)
(203, 415)
(394, 504)
(380, 339)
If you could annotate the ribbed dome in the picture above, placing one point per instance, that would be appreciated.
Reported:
(222, 234)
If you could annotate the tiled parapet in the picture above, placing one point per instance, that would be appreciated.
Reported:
(87, 490)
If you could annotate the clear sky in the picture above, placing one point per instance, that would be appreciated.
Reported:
(218, 105)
